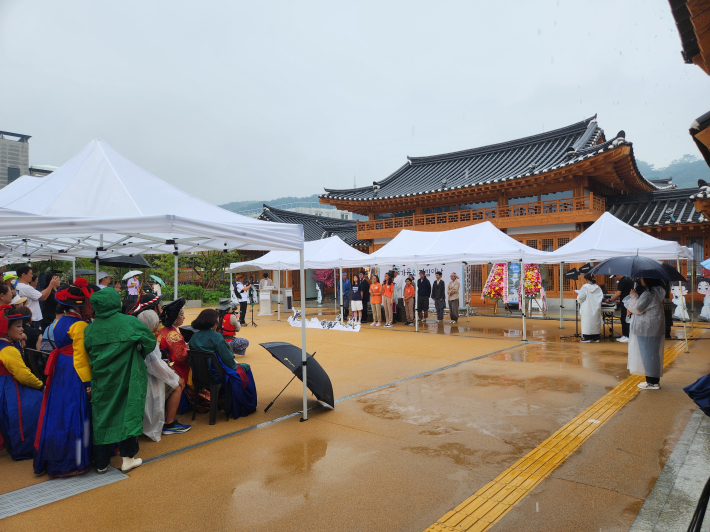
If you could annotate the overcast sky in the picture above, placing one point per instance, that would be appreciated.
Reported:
(256, 100)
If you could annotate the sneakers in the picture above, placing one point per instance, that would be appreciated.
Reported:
(647, 386)
(388, 325)
(130, 463)
(623, 339)
(378, 324)
(176, 428)
(585, 341)
(102, 471)
(373, 324)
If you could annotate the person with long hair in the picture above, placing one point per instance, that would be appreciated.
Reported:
(388, 289)
(356, 299)
(376, 300)
(239, 385)
(63, 441)
(20, 391)
(590, 309)
(647, 330)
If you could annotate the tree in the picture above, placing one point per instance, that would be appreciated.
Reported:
(324, 276)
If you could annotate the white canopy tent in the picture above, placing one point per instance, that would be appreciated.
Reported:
(321, 254)
(95, 206)
(474, 244)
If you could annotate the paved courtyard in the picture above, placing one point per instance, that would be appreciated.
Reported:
(410, 451)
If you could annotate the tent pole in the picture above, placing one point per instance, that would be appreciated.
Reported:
(278, 300)
(692, 294)
(416, 301)
(175, 280)
(562, 302)
(341, 295)
(682, 306)
(521, 299)
(335, 297)
(73, 269)
(304, 356)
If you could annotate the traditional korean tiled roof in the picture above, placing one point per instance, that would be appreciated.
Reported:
(657, 208)
(506, 161)
(316, 227)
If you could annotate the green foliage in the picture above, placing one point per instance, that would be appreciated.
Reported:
(685, 171)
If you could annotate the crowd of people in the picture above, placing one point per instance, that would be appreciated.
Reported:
(117, 370)
(396, 297)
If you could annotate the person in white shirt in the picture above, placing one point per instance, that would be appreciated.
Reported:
(133, 286)
(156, 289)
(24, 274)
(242, 292)
(399, 282)
(104, 280)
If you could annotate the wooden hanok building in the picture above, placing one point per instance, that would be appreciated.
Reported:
(542, 190)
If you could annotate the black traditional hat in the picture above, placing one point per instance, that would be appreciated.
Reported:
(147, 302)
(225, 304)
(171, 311)
(76, 295)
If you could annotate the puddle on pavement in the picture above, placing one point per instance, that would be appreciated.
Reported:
(532, 385)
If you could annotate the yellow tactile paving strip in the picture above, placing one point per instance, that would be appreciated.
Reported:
(489, 504)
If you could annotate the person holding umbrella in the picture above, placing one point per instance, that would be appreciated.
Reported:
(133, 286)
(590, 308)
(647, 332)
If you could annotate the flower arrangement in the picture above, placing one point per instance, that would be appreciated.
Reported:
(496, 286)
(532, 280)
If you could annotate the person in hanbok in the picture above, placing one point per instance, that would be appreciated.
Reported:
(159, 414)
(117, 345)
(704, 289)
(679, 293)
(590, 309)
(63, 441)
(239, 386)
(647, 330)
(20, 391)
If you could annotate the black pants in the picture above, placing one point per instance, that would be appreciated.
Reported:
(37, 325)
(103, 453)
(653, 380)
(624, 325)
(591, 337)
(242, 312)
(365, 302)
(346, 308)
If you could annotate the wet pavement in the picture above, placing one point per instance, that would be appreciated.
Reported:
(400, 457)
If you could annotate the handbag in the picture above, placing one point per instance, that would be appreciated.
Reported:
(699, 392)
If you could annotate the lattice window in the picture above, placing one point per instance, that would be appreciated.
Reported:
(609, 284)
(531, 243)
(566, 267)
(547, 271)
(696, 244)
(475, 279)
(561, 242)
(548, 244)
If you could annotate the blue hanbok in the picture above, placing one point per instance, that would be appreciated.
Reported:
(20, 403)
(239, 390)
(63, 441)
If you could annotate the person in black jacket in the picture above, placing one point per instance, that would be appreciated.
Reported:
(365, 289)
(423, 294)
(438, 294)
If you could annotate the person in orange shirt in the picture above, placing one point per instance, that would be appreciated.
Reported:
(376, 300)
(409, 301)
(387, 297)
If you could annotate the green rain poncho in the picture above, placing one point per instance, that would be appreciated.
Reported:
(118, 371)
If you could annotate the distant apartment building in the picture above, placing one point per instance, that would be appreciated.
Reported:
(14, 156)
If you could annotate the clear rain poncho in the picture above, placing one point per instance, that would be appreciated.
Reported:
(647, 332)
(159, 376)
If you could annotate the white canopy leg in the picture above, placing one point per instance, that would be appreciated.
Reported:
(278, 300)
(73, 269)
(335, 298)
(416, 301)
(562, 282)
(175, 280)
(692, 294)
(521, 299)
(304, 356)
(682, 306)
(341, 295)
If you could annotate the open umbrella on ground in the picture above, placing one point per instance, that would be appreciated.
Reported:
(636, 267)
(131, 274)
(158, 280)
(290, 356)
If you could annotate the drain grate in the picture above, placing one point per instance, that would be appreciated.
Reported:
(32, 497)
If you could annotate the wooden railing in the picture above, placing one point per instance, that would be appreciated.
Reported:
(472, 216)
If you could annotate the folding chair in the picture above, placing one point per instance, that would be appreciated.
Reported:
(203, 378)
(37, 361)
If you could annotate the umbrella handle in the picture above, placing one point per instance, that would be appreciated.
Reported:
(282, 391)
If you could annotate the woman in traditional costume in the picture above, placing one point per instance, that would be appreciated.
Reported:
(20, 390)
(239, 386)
(63, 440)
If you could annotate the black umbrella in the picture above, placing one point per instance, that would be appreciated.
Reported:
(290, 356)
(636, 267)
(132, 261)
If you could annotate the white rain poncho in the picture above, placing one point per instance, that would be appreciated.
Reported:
(590, 308)
(647, 332)
(160, 375)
